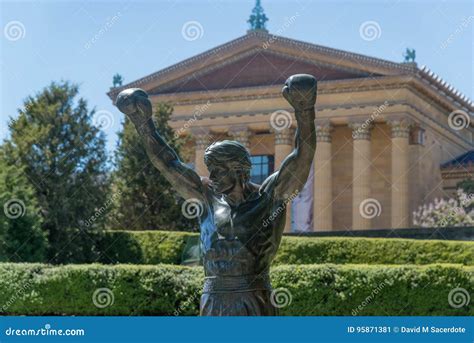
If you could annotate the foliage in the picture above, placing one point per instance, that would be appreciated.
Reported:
(146, 200)
(21, 238)
(458, 211)
(467, 186)
(144, 247)
(62, 154)
(35, 289)
(169, 247)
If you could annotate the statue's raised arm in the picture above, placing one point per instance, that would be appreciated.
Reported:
(135, 104)
(300, 91)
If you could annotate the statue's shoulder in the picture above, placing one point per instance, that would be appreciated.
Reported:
(207, 187)
(269, 184)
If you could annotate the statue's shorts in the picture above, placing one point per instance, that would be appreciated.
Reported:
(247, 295)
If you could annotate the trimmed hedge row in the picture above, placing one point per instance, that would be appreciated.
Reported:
(151, 247)
(145, 247)
(38, 289)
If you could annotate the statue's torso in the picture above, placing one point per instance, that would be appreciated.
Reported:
(242, 240)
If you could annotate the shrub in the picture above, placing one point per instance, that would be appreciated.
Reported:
(457, 211)
(150, 247)
(308, 250)
(36, 289)
(144, 247)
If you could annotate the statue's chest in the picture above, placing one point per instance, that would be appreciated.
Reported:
(238, 222)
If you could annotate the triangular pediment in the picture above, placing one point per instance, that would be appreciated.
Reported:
(254, 68)
(261, 59)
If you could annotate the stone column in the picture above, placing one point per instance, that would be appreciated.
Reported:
(283, 146)
(202, 138)
(360, 173)
(322, 192)
(400, 171)
(241, 134)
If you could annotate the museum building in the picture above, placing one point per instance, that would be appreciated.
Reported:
(390, 136)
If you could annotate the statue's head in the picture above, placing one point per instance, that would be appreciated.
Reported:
(229, 164)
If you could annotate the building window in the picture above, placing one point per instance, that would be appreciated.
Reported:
(262, 167)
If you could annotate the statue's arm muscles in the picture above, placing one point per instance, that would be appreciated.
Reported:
(186, 182)
(300, 92)
(288, 181)
(135, 104)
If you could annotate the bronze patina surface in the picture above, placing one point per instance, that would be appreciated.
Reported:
(241, 222)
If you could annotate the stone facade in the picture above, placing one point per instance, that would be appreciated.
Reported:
(383, 128)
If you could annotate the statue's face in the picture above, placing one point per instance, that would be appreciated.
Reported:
(223, 179)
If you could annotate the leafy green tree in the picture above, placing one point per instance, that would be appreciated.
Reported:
(467, 185)
(63, 156)
(145, 200)
(21, 238)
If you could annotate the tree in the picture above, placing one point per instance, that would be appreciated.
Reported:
(458, 211)
(21, 238)
(145, 200)
(467, 185)
(63, 156)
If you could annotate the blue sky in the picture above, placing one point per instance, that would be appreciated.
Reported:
(87, 42)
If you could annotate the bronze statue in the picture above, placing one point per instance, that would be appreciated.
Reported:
(241, 222)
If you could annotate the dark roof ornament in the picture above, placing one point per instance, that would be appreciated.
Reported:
(258, 18)
(410, 55)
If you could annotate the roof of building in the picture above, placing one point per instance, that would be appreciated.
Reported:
(460, 161)
(333, 63)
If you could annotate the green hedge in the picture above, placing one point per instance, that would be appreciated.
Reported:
(36, 289)
(151, 247)
(308, 250)
(145, 247)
